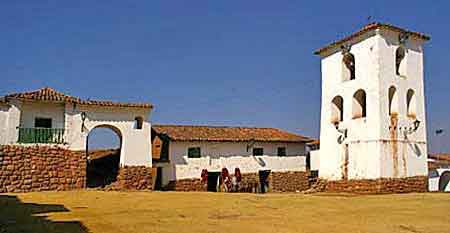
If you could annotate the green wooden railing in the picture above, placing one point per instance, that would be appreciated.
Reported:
(41, 135)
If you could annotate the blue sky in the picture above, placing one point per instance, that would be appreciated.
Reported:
(207, 62)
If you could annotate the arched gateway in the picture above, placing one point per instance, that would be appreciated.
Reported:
(46, 118)
(103, 163)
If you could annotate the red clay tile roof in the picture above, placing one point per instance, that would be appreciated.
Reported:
(370, 27)
(315, 142)
(227, 134)
(102, 153)
(440, 157)
(438, 160)
(49, 94)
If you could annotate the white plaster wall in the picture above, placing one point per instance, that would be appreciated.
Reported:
(375, 73)
(136, 143)
(216, 156)
(315, 159)
(331, 152)
(4, 117)
(11, 115)
(411, 149)
(17, 114)
(413, 80)
(32, 110)
(363, 160)
(410, 159)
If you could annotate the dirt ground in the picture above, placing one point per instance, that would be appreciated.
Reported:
(96, 211)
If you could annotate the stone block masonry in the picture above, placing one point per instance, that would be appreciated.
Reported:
(278, 182)
(289, 181)
(134, 178)
(186, 185)
(41, 168)
(379, 186)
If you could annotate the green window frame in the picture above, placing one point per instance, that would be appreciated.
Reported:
(258, 151)
(194, 152)
(281, 151)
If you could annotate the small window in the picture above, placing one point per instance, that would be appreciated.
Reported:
(411, 104)
(337, 109)
(400, 66)
(359, 104)
(393, 101)
(258, 151)
(281, 151)
(138, 122)
(194, 152)
(348, 61)
(43, 123)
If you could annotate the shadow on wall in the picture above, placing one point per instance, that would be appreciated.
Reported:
(16, 216)
(416, 149)
(260, 161)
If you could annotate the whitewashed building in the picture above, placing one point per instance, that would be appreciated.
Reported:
(182, 152)
(47, 117)
(373, 121)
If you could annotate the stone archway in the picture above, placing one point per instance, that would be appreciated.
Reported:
(103, 164)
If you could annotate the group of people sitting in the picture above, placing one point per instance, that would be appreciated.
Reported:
(227, 182)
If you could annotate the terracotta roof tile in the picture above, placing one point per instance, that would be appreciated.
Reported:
(51, 95)
(102, 153)
(227, 134)
(370, 27)
(315, 142)
(440, 157)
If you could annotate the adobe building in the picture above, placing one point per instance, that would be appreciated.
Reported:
(373, 125)
(44, 136)
(263, 155)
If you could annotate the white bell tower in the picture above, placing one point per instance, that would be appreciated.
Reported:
(373, 107)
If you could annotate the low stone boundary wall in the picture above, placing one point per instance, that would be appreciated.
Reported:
(379, 186)
(278, 182)
(289, 181)
(134, 178)
(186, 185)
(41, 168)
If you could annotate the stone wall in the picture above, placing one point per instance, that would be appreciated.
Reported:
(289, 181)
(41, 168)
(379, 186)
(249, 182)
(133, 178)
(278, 182)
(186, 185)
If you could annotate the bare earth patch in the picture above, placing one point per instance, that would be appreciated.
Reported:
(97, 211)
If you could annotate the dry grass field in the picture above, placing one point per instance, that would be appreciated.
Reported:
(95, 211)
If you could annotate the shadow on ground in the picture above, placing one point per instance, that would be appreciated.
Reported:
(19, 217)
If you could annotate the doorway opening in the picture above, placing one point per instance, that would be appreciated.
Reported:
(264, 180)
(213, 181)
(158, 180)
(103, 147)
